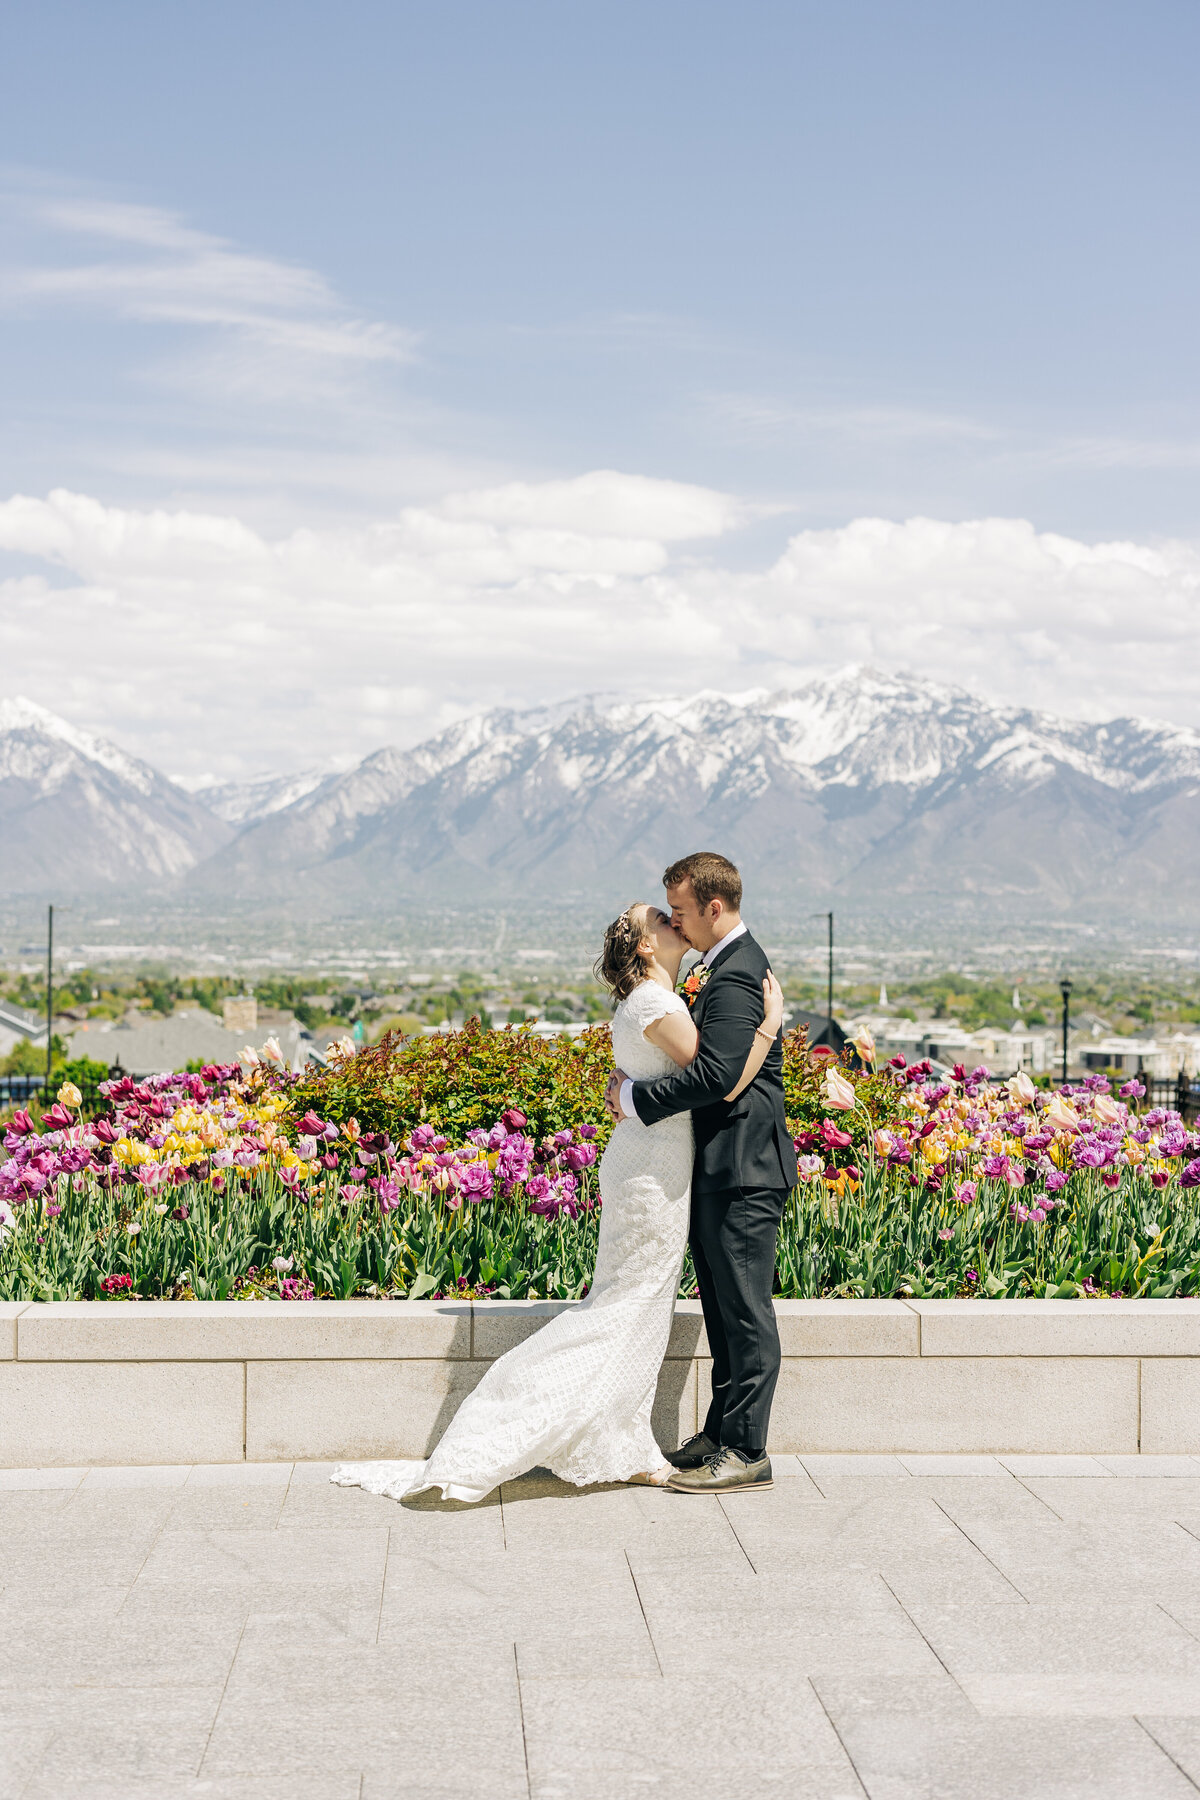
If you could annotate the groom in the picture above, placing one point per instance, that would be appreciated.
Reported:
(744, 1170)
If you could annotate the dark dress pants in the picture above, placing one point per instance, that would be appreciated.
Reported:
(733, 1237)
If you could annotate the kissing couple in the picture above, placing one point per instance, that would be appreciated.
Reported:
(700, 1152)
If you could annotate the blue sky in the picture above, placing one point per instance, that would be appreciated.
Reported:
(343, 279)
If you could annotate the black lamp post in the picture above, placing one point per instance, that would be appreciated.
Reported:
(829, 974)
(1064, 988)
(49, 991)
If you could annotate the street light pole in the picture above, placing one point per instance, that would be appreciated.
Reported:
(49, 988)
(1064, 988)
(829, 973)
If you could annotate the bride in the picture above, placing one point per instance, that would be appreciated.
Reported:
(576, 1396)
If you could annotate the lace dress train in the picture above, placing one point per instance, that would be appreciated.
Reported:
(576, 1397)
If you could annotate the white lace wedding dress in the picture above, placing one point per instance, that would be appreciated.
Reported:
(575, 1397)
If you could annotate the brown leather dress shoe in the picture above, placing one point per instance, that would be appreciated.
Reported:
(725, 1472)
(693, 1453)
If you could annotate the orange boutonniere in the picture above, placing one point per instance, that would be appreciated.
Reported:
(694, 984)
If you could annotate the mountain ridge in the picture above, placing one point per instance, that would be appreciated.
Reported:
(863, 787)
(78, 813)
(911, 787)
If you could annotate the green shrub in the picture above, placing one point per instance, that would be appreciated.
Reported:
(459, 1080)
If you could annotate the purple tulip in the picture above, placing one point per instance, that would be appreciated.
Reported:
(475, 1182)
(388, 1195)
(1086, 1153)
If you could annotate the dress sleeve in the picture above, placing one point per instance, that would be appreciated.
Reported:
(652, 1002)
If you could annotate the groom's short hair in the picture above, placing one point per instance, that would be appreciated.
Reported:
(712, 877)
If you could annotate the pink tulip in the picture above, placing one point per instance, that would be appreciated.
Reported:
(838, 1092)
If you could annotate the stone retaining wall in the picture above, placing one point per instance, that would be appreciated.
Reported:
(179, 1382)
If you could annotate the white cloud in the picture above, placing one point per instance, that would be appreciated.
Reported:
(202, 644)
(156, 269)
(605, 502)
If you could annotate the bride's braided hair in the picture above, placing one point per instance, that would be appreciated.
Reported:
(618, 965)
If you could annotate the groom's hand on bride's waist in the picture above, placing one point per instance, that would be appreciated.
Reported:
(618, 1096)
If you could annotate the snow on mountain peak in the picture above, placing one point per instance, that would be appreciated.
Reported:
(21, 715)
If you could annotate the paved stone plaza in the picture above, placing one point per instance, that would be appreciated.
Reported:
(916, 1628)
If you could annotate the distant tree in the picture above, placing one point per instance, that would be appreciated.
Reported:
(25, 1058)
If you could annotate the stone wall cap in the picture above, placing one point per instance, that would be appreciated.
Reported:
(240, 1330)
(1129, 1328)
(10, 1312)
(1042, 1308)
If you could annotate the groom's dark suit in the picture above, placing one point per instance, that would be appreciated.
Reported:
(745, 1167)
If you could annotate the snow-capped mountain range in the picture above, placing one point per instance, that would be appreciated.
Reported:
(77, 813)
(241, 802)
(868, 789)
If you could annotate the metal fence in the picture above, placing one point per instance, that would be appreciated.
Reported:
(1182, 1092)
(20, 1090)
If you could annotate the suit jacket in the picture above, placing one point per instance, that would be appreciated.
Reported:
(739, 1143)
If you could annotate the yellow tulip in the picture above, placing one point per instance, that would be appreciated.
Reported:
(69, 1095)
(1061, 1114)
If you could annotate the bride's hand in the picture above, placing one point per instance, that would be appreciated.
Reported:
(772, 1005)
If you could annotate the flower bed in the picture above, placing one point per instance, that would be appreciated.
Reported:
(466, 1166)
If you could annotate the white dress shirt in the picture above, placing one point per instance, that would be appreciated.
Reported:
(709, 957)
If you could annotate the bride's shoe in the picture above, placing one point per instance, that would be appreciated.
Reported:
(653, 1477)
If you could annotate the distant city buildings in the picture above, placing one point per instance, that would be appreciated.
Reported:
(155, 1045)
(240, 1013)
(1035, 1049)
(1161, 1057)
(18, 1025)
